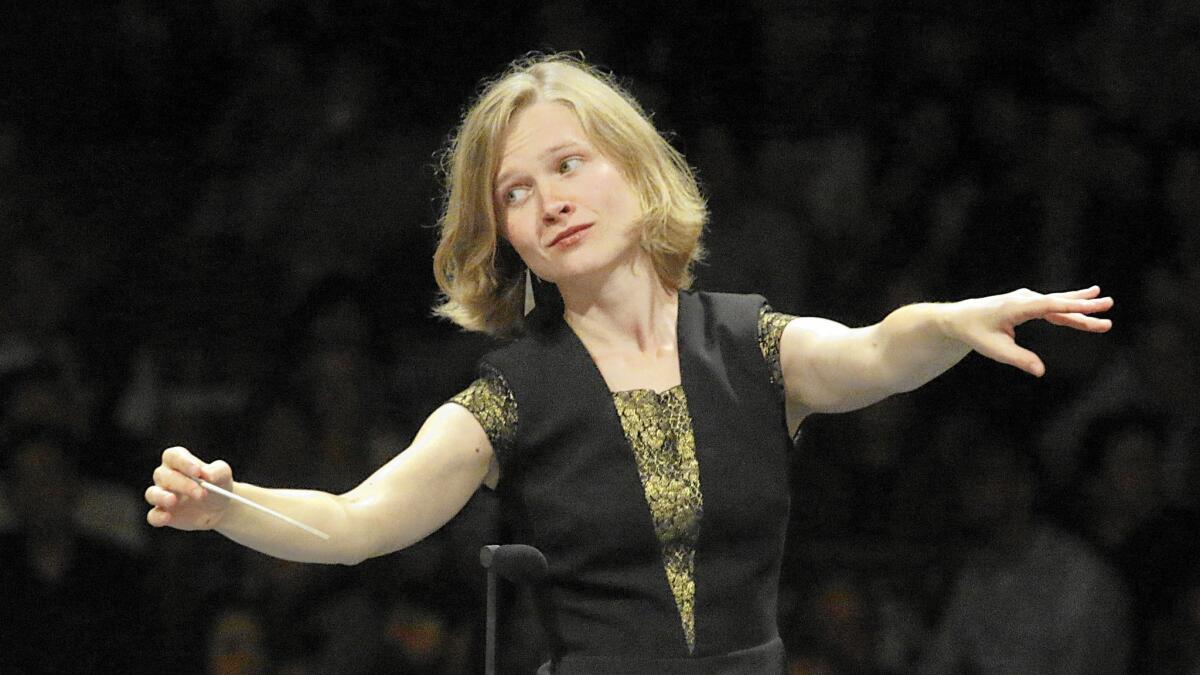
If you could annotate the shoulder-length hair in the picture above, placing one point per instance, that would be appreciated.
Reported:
(480, 275)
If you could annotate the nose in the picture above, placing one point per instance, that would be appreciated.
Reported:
(557, 209)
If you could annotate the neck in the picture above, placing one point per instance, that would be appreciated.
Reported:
(629, 309)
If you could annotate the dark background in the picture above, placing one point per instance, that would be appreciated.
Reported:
(216, 225)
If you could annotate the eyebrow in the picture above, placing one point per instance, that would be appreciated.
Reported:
(500, 179)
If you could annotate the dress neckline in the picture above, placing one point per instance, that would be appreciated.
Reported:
(574, 337)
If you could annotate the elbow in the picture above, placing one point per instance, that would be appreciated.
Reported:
(351, 561)
(352, 551)
(354, 532)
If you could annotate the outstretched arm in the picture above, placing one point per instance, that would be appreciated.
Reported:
(404, 501)
(828, 367)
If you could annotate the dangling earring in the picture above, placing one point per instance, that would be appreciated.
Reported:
(530, 301)
(542, 296)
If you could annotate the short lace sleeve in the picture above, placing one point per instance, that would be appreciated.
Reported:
(770, 331)
(492, 403)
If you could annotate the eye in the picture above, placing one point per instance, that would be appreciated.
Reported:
(569, 164)
(515, 195)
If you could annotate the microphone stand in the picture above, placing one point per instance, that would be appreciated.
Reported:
(489, 667)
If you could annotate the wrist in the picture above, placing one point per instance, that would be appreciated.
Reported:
(225, 518)
(947, 318)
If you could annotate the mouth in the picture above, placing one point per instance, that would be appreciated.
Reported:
(569, 233)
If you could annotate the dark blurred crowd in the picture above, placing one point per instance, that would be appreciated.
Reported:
(216, 223)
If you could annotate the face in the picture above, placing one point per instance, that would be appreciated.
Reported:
(566, 208)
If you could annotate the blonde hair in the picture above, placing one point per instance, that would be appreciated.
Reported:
(481, 277)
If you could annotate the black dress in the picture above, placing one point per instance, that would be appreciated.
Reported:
(662, 514)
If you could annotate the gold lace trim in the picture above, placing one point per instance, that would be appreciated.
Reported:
(659, 431)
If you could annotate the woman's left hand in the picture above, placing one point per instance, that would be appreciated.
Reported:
(988, 325)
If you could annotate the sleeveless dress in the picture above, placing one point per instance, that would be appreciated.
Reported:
(665, 476)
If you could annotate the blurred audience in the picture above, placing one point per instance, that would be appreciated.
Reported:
(1178, 651)
(834, 631)
(1030, 597)
(73, 601)
(214, 230)
(1155, 545)
(237, 644)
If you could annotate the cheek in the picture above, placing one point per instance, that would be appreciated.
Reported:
(621, 197)
(516, 230)
(615, 193)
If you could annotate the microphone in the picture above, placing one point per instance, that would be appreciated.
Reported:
(518, 563)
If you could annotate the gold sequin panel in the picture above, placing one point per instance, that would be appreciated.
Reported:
(492, 403)
(770, 332)
(659, 430)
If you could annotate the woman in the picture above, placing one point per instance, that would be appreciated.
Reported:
(636, 432)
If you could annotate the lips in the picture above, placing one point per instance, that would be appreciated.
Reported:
(568, 232)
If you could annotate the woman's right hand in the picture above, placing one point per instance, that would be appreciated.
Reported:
(178, 500)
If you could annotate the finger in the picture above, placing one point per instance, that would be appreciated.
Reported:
(1089, 292)
(1080, 322)
(158, 517)
(217, 472)
(1085, 306)
(999, 347)
(170, 479)
(181, 460)
(164, 499)
(1051, 305)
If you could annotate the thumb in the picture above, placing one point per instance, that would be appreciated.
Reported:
(218, 472)
(1002, 348)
